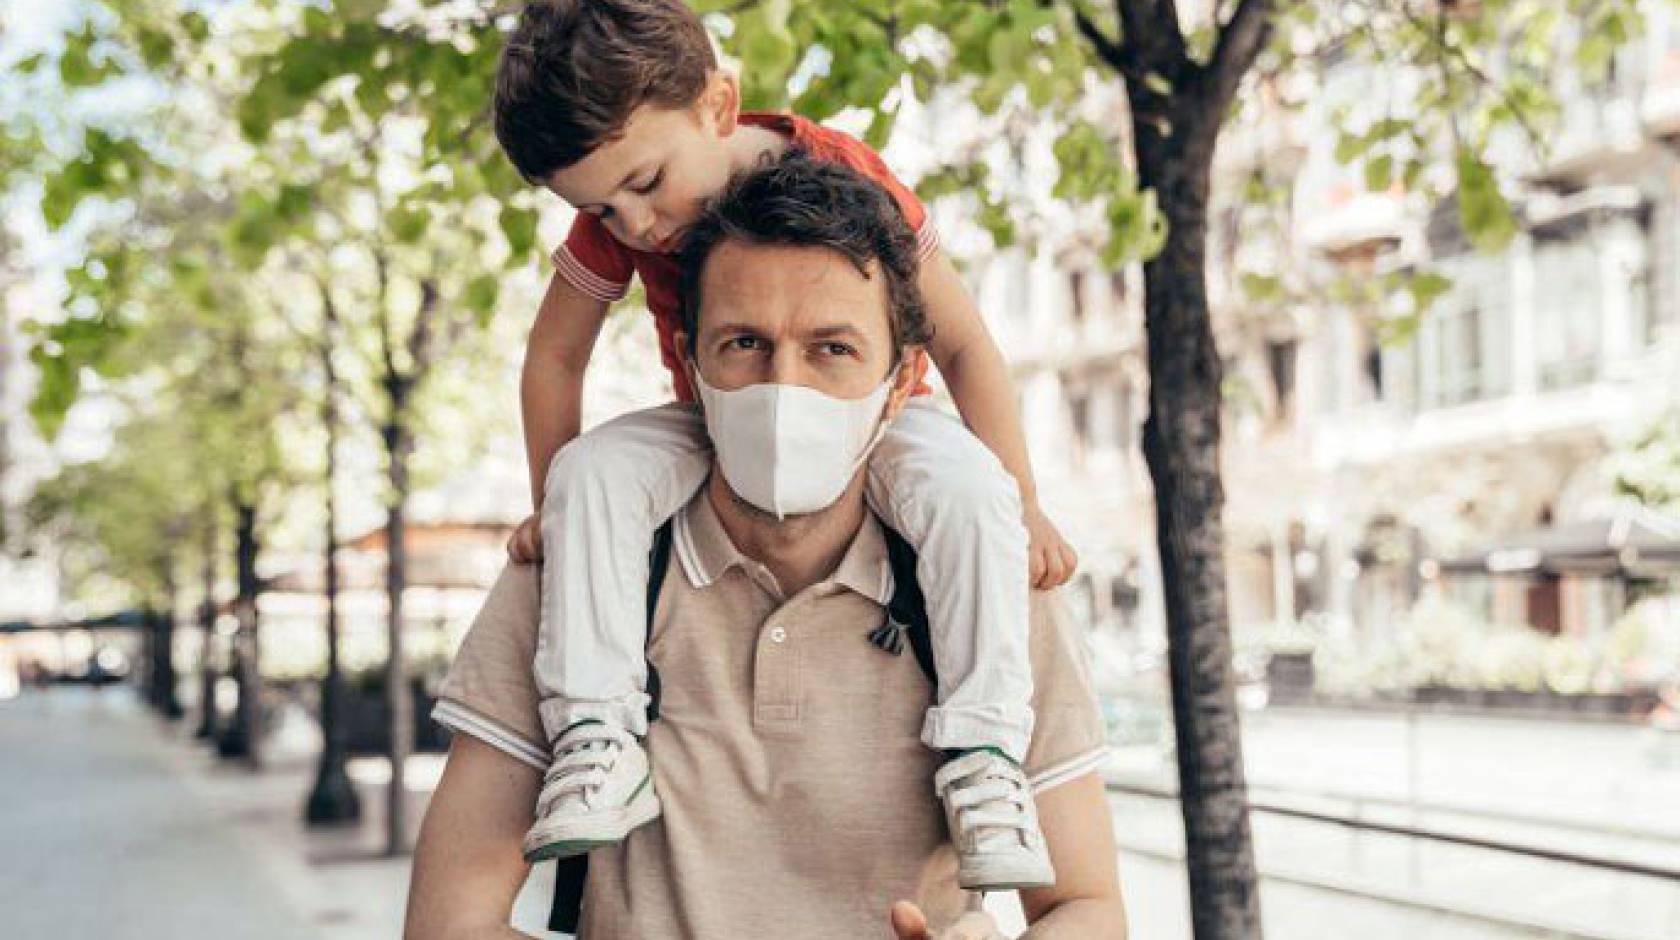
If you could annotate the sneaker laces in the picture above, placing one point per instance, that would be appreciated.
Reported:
(988, 796)
(584, 757)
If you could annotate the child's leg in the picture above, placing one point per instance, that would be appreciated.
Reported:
(950, 497)
(607, 491)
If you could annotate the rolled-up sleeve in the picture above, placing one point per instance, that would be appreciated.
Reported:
(1068, 738)
(489, 692)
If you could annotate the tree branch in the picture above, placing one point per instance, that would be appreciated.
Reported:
(1151, 31)
(1113, 53)
(425, 322)
(382, 316)
(1240, 42)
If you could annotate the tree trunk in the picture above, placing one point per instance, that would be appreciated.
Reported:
(397, 447)
(244, 737)
(146, 676)
(168, 701)
(333, 800)
(207, 624)
(1181, 446)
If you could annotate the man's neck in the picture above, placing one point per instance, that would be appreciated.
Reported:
(799, 550)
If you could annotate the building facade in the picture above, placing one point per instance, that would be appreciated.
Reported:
(1359, 446)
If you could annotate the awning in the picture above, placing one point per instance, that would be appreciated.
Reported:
(1633, 540)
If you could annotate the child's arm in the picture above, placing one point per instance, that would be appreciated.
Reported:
(978, 376)
(551, 390)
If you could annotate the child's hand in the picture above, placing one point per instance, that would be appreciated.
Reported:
(1050, 559)
(525, 544)
(909, 923)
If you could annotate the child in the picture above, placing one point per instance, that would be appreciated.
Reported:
(619, 108)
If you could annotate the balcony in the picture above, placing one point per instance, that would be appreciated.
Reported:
(1600, 131)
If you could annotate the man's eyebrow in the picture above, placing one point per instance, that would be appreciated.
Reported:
(621, 184)
(730, 326)
(838, 329)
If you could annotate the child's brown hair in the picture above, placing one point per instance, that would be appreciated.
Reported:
(573, 71)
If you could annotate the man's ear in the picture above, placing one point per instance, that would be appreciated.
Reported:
(912, 370)
(721, 102)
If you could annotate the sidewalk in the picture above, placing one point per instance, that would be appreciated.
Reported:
(117, 826)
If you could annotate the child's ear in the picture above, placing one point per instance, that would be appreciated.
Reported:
(722, 101)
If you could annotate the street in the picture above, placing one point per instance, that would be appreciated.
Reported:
(115, 828)
(118, 826)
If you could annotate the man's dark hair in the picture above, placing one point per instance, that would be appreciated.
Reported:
(801, 202)
(573, 71)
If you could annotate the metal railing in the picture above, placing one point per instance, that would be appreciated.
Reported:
(1601, 862)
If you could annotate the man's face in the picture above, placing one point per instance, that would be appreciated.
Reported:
(796, 316)
(647, 185)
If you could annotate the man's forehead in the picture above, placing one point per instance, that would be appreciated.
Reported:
(774, 281)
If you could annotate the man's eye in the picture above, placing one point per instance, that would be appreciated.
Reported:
(651, 184)
(837, 349)
(745, 342)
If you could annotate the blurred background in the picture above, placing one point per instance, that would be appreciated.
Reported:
(265, 282)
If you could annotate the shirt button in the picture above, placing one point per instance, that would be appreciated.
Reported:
(778, 635)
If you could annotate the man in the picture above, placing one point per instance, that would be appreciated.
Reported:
(798, 797)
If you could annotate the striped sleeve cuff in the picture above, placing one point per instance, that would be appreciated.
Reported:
(1071, 769)
(927, 241)
(462, 720)
(585, 280)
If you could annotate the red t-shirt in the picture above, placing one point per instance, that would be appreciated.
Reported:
(595, 263)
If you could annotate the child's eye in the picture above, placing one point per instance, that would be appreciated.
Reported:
(651, 184)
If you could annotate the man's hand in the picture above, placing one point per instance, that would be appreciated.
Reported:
(525, 544)
(909, 923)
(1050, 559)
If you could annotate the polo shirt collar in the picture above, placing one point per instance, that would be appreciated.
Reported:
(705, 552)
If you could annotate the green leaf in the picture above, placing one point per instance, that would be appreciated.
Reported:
(78, 66)
(1379, 173)
(1262, 288)
(1482, 208)
(196, 26)
(408, 225)
(1426, 287)
(156, 47)
(480, 297)
(519, 226)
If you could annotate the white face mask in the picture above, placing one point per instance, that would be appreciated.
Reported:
(788, 449)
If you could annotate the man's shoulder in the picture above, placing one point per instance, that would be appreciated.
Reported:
(490, 692)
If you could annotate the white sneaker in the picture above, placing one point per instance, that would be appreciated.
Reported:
(599, 787)
(989, 810)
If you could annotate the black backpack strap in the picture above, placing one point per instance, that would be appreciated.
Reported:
(570, 873)
(658, 560)
(908, 608)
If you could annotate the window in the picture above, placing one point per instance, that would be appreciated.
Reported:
(1372, 366)
(1567, 313)
(1280, 364)
(1076, 284)
(1460, 356)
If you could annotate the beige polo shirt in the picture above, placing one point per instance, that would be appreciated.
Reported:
(798, 797)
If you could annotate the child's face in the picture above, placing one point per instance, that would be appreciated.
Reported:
(647, 185)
